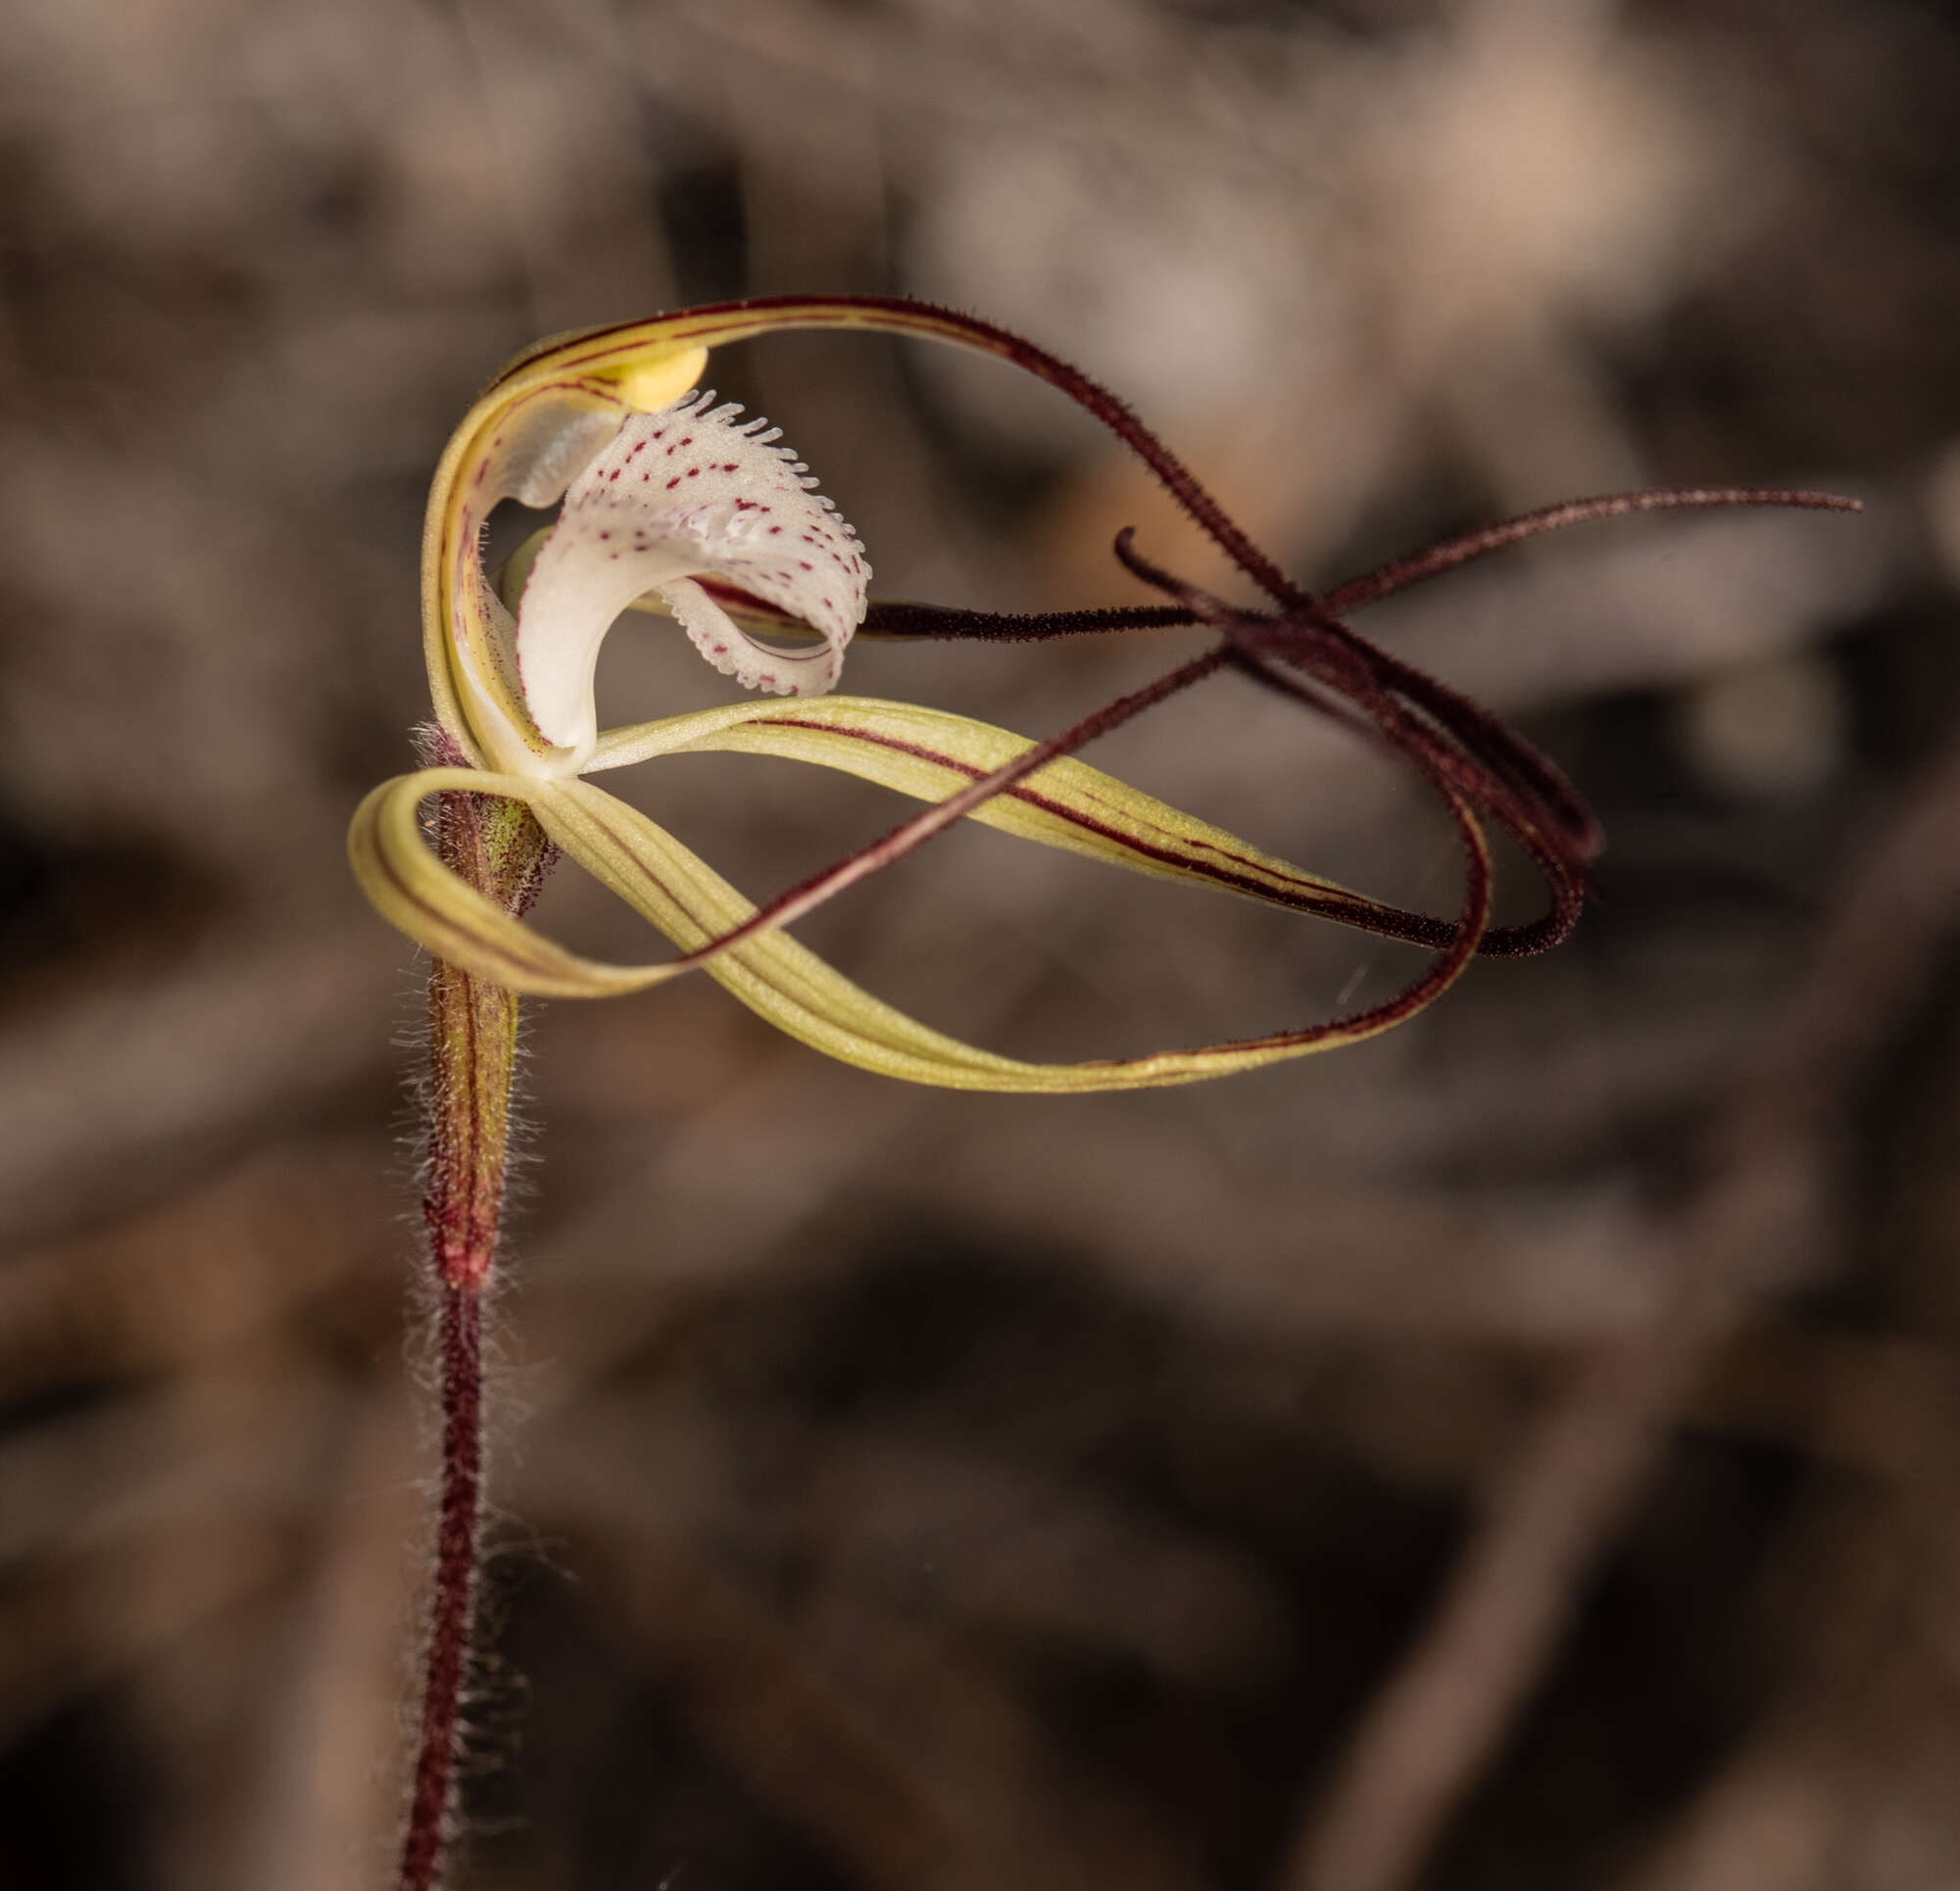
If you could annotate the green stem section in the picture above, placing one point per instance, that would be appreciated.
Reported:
(499, 849)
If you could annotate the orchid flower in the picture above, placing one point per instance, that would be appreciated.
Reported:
(667, 498)
(670, 503)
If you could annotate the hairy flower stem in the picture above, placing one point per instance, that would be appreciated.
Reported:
(499, 849)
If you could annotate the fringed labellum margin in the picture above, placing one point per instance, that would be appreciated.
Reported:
(653, 504)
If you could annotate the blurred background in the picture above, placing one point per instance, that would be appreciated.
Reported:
(1518, 1452)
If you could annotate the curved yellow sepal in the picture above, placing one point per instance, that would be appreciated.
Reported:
(415, 892)
(778, 978)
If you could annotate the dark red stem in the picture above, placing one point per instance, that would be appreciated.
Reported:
(453, 1607)
(499, 849)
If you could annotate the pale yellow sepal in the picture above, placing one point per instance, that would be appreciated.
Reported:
(417, 894)
(780, 980)
(930, 753)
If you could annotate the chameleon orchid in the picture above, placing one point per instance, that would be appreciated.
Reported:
(670, 503)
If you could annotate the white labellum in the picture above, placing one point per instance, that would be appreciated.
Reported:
(680, 495)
